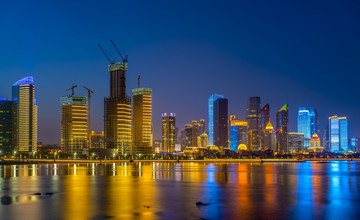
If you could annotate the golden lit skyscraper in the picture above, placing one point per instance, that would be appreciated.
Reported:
(168, 132)
(23, 93)
(117, 113)
(73, 123)
(142, 120)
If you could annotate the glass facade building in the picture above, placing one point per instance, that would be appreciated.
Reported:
(338, 134)
(23, 93)
(238, 134)
(211, 102)
(8, 129)
(253, 118)
(295, 142)
(168, 132)
(221, 132)
(307, 123)
(264, 120)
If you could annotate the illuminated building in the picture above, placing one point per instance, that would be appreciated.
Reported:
(221, 123)
(238, 133)
(354, 143)
(191, 134)
(315, 141)
(23, 93)
(97, 140)
(73, 123)
(211, 102)
(295, 141)
(142, 120)
(338, 134)
(117, 113)
(203, 140)
(282, 130)
(168, 132)
(202, 126)
(252, 117)
(264, 119)
(269, 137)
(7, 126)
(307, 123)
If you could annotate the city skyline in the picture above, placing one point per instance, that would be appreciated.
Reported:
(285, 72)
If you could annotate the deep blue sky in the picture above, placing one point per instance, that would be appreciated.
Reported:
(295, 52)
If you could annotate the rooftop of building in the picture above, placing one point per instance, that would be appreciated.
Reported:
(25, 81)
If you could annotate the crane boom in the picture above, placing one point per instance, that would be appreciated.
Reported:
(89, 97)
(117, 50)
(105, 54)
(72, 89)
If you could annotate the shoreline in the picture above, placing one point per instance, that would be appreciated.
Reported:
(51, 161)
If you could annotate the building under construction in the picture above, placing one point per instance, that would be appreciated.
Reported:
(117, 112)
(74, 123)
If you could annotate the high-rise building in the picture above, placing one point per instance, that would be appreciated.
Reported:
(203, 140)
(168, 132)
(23, 93)
(315, 141)
(355, 144)
(295, 141)
(192, 133)
(338, 134)
(282, 130)
(238, 134)
(252, 117)
(269, 137)
(264, 119)
(8, 126)
(211, 102)
(307, 123)
(142, 120)
(74, 123)
(117, 113)
(202, 126)
(221, 131)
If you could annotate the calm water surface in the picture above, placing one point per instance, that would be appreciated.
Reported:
(307, 190)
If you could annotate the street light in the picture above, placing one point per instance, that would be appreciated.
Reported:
(93, 155)
(114, 156)
(75, 155)
(55, 156)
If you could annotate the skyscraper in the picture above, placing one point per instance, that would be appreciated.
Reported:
(142, 120)
(8, 127)
(264, 119)
(307, 123)
(252, 117)
(202, 126)
(269, 137)
(282, 130)
(238, 134)
(338, 134)
(23, 93)
(211, 102)
(117, 112)
(168, 132)
(221, 123)
(192, 133)
(74, 123)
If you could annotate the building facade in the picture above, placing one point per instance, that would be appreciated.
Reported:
(253, 118)
(23, 93)
(338, 134)
(221, 132)
(191, 134)
(142, 120)
(264, 119)
(295, 142)
(74, 123)
(97, 140)
(8, 128)
(282, 130)
(307, 123)
(168, 132)
(117, 113)
(269, 137)
(238, 134)
(211, 115)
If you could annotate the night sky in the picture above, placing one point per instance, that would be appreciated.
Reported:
(297, 52)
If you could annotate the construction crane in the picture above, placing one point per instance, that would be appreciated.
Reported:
(124, 59)
(111, 62)
(138, 81)
(89, 97)
(72, 89)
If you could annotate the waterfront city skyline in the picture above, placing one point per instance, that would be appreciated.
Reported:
(277, 70)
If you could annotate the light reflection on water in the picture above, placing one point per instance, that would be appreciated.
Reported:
(170, 190)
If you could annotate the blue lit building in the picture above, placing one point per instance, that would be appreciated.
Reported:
(338, 134)
(354, 143)
(238, 134)
(212, 100)
(307, 124)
